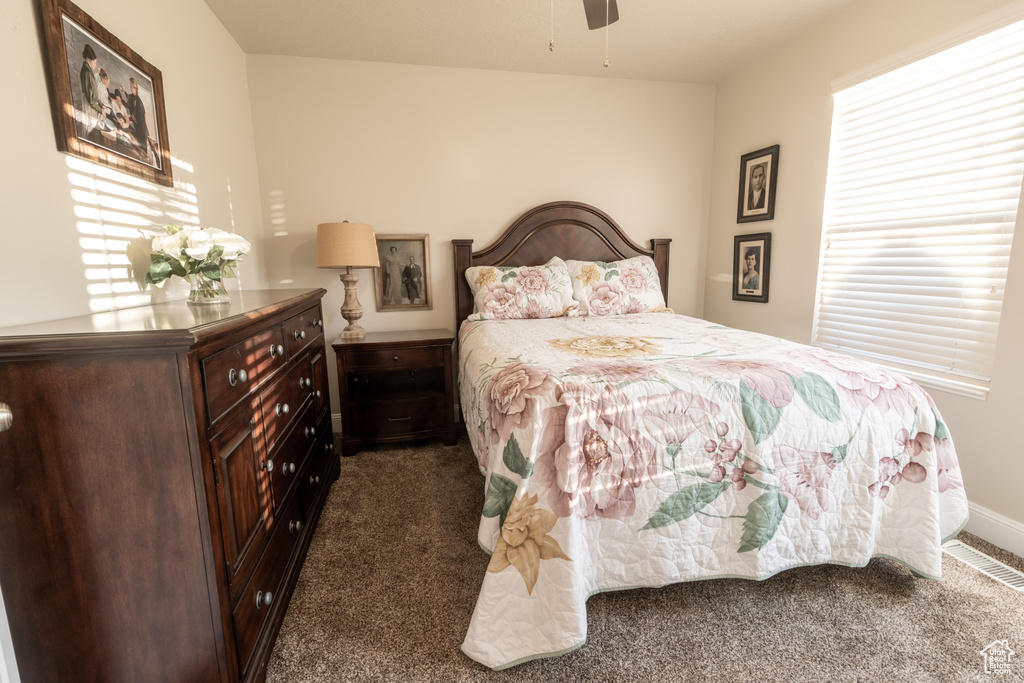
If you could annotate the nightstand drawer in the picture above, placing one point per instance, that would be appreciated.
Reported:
(397, 417)
(362, 360)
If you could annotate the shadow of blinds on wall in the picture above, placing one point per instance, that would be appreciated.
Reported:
(924, 180)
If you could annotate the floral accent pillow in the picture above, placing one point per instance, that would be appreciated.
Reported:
(627, 286)
(506, 293)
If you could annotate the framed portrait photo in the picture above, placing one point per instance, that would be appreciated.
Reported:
(751, 263)
(108, 101)
(402, 282)
(759, 172)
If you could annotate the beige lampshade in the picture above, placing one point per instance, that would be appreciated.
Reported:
(346, 244)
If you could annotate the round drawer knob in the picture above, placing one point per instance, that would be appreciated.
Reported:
(236, 376)
(6, 417)
(299, 334)
(264, 599)
(314, 480)
(282, 409)
(395, 359)
(310, 431)
(295, 525)
(267, 466)
(318, 394)
(289, 468)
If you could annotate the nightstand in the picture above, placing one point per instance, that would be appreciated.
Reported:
(396, 386)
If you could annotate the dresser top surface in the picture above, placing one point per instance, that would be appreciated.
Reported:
(172, 321)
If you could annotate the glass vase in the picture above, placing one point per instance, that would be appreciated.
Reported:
(206, 291)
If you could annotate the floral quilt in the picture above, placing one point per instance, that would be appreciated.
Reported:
(648, 449)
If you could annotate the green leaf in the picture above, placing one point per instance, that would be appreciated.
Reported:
(819, 396)
(673, 449)
(514, 459)
(500, 493)
(763, 517)
(159, 268)
(685, 503)
(761, 416)
(210, 269)
(839, 453)
(941, 431)
(610, 274)
(508, 276)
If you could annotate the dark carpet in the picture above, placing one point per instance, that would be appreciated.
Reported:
(394, 570)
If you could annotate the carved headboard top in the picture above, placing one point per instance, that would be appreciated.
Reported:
(569, 230)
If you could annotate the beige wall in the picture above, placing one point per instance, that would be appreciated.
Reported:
(786, 99)
(59, 211)
(457, 153)
(51, 201)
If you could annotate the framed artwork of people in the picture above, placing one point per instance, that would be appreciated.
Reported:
(403, 280)
(108, 101)
(759, 172)
(750, 267)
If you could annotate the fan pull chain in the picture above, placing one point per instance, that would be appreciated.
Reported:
(607, 26)
(551, 45)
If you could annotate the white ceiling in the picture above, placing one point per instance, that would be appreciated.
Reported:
(689, 41)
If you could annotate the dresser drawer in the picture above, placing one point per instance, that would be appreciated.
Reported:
(302, 330)
(283, 400)
(363, 360)
(397, 417)
(252, 610)
(317, 474)
(321, 392)
(290, 456)
(232, 374)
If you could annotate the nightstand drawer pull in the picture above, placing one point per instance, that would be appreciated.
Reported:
(299, 334)
(282, 408)
(267, 466)
(314, 480)
(6, 417)
(294, 526)
(305, 382)
(276, 351)
(289, 468)
(236, 376)
(395, 358)
(310, 431)
(400, 419)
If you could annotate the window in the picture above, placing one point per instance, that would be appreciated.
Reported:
(924, 179)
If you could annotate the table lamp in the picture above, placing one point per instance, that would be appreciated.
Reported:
(347, 245)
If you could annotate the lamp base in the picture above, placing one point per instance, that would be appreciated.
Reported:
(351, 310)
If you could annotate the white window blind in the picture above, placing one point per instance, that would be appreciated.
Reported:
(924, 179)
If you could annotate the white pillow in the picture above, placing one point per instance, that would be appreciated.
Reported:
(627, 286)
(506, 293)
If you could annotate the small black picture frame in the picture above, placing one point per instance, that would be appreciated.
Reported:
(751, 263)
(759, 172)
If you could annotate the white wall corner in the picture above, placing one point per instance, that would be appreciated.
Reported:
(996, 529)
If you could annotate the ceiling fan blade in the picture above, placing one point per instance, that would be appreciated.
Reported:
(596, 13)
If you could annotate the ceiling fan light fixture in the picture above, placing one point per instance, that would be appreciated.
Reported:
(600, 13)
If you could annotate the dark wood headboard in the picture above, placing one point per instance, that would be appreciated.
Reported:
(569, 230)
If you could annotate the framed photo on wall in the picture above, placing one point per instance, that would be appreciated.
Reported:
(403, 280)
(751, 263)
(108, 101)
(759, 172)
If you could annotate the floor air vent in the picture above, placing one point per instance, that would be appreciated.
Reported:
(985, 564)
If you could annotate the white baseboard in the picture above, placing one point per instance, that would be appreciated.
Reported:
(336, 423)
(996, 529)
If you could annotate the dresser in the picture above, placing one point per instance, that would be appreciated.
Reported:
(395, 386)
(162, 470)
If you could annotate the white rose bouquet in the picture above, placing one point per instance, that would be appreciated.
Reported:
(202, 256)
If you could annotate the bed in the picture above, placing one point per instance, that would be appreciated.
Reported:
(635, 447)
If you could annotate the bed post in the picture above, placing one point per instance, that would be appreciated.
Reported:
(660, 248)
(463, 252)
